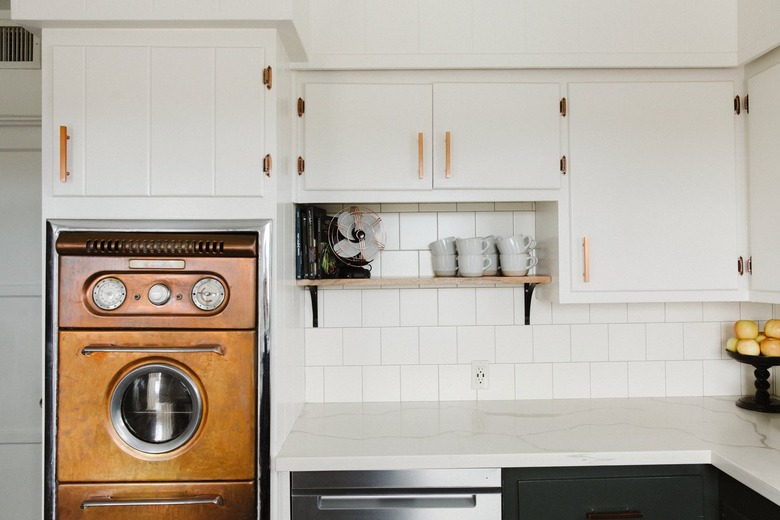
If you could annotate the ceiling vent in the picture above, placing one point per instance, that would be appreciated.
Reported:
(19, 48)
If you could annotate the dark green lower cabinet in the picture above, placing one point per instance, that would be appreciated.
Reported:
(739, 502)
(679, 492)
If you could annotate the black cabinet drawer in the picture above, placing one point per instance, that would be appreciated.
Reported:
(650, 492)
(739, 502)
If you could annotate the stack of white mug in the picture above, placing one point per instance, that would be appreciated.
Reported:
(473, 257)
(445, 261)
(516, 258)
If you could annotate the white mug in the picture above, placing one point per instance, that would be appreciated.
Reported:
(443, 246)
(444, 265)
(517, 265)
(492, 248)
(471, 246)
(472, 265)
(515, 244)
(492, 270)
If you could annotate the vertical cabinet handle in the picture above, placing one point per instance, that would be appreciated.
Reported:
(586, 251)
(447, 153)
(64, 154)
(421, 164)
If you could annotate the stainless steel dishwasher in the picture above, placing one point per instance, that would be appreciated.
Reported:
(451, 494)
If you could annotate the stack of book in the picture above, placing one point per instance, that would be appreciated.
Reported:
(313, 256)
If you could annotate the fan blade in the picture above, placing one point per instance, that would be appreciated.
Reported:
(345, 249)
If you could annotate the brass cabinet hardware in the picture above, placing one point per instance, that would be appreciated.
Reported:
(737, 105)
(268, 77)
(64, 154)
(740, 266)
(586, 257)
(301, 107)
(562, 107)
(267, 164)
(747, 104)
(448, 155)
(301, 165)
(421, 165)
(563, 165)
(750, 265)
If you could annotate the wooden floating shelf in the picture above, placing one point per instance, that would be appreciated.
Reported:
(437, 281)
(528, 283)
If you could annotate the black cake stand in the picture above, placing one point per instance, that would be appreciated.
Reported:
(762, 401)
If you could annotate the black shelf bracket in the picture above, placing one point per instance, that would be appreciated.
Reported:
(314, 314)
(529, 296)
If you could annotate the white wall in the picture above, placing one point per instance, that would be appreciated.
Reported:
(417, 344)
(21, 323)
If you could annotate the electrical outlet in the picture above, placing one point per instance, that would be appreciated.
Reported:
(480, 375)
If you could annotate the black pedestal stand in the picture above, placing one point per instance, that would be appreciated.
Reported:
(762, 401)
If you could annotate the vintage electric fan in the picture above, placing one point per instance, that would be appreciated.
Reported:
(356, 237)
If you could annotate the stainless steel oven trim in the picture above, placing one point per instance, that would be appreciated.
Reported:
(53, 228)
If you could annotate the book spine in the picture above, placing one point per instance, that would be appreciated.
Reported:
(298, 243)
(311, 243)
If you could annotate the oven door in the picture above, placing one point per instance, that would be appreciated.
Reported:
(156, 406)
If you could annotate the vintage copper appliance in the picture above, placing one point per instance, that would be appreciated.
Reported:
(157, 371)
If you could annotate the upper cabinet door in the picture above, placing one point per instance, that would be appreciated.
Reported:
(158, 120)
(653, 188)
(367, 137)
(764, 141)
(501, 135)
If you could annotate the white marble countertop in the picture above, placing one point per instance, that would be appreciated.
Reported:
(577, 432)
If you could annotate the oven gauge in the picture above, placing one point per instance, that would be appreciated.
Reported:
(109, 293)
(159, 294)
(208, 294)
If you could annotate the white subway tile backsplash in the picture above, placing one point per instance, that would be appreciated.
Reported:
(400, 346)
(362, 346)
(381, 384)
(419, 307)
(534, 381)
(589, 343)
(514, 344)
(571, 380)
(627, 342)
(702, 340)
(665, 341)
(552, 343)
(476, 343)
(438, 345)
(381, 308)
(417, 343)
(420, 383)
(457, 306)
(495, 306)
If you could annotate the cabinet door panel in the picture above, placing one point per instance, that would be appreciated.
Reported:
(68, 107)
(365, 137)
(182, 126)
(764, 131)
(653, 185)
(239, 125)
(503, 136)
(117, 121)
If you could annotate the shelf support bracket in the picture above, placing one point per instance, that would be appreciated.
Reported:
(529, 296)
(314, 315)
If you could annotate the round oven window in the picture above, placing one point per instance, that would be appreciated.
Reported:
(156, 408)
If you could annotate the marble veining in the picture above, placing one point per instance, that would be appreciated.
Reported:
(576, 432)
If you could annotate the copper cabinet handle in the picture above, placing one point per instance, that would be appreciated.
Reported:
(200, 349)
(215, 500)
(615, 515)
(447, 155)
(586, 251)
(421, 165)
(64, 154)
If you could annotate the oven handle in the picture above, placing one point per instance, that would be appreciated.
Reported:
(403, 501)
(210, 349)
(215, 500)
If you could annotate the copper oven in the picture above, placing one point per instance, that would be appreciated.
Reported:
(157, 372)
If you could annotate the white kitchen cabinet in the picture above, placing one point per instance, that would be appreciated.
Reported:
(653, 189)
(393, 137)
(157, 113)
(764, 184)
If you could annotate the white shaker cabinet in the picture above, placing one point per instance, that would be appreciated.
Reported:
(156, 113)
(653, 192)
(764, 184)
(378, 141)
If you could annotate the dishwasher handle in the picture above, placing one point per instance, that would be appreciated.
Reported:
(418, 501)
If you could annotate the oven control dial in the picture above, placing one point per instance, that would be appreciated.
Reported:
(109, 293)
(159, 294)
(208, 294)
